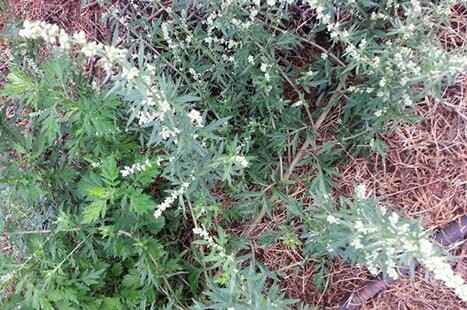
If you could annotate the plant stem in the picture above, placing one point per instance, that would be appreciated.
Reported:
(196, 225)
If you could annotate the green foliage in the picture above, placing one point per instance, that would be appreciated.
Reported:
(365, 233)
(245, 291)
(126, 191)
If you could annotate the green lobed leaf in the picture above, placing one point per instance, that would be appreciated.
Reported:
(94, 211)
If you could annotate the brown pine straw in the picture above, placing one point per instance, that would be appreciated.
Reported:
(69, 15)
(454, 232)
(423, 175)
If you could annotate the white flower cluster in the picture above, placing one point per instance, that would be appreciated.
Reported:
(31, 64)
(321, 10)
(265, 68)
(380, 112)
(198, 231)
(299, 103)
(35, 114)
(50, 33)
(92, 49)
(387, 245)
(205, 235)
(227, 47)
(441, 269)
(365, 228)
(196, 118)
(130, 73)
(155, 108)
(240, 160)
(166, 133)
(166, 32)
(400, 62)
(356, 243)
(167, 203)
(36, 30)
(113, 56)
(246, 24)
(370, 262)
(194, 74)
(378, 16)
(397, 238)
(360, 191)
(138, 167)
(331, 219)
(110, 55)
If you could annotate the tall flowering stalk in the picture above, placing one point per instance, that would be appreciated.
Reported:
(153, 107)
(169, 200)
(366, 233)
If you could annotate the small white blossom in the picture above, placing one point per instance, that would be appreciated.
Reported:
(392, 272)
(360, 191)
(168, 201)
(240, 160)
(31, 30)
(442, 270)
(35, 114)
(167, 133)
(151, 69)
(393, 218)
(210, 241)
(164, 106)
(64, 40)
(80, 38)
(357, 243)
(196, 118)
(7, 277)
(113, 56)
(383, 210)
(382, 82)
(91, 49)
(130, 74)
(137, 167)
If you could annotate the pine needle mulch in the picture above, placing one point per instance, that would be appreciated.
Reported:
(423, 175)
